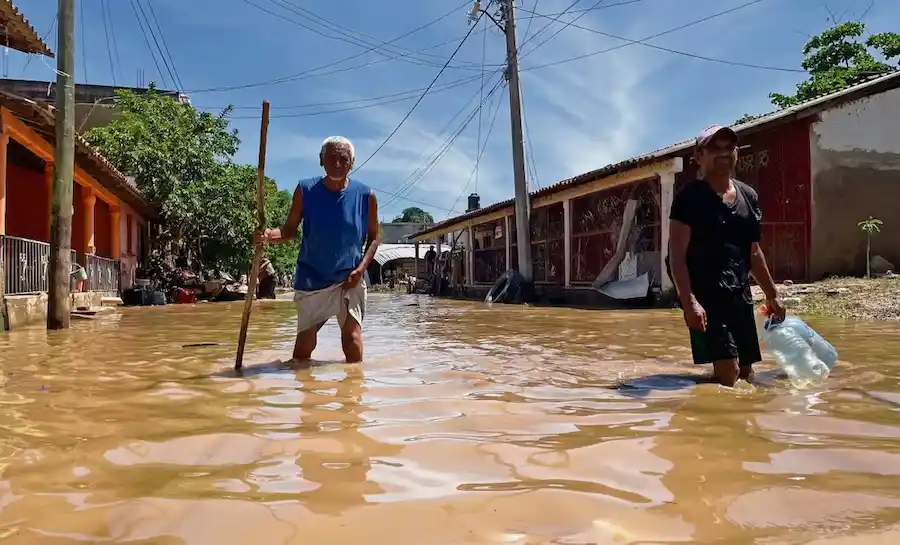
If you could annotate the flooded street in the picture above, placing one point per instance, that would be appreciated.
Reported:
(466, 425)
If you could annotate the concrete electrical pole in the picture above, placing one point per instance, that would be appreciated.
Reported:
(507, 24)
(59, 302)
(523, 204)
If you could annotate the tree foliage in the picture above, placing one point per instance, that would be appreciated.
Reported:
(414, 214)
(182, 162)
(839, 58)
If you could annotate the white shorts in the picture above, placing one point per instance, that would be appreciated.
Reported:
(317, 307)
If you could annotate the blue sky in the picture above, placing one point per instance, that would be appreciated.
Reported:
(580, 115)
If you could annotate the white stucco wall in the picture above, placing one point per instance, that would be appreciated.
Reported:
(855, 173)
(869, 124)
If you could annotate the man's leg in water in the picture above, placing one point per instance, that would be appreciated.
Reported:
(729, 343)
(351, 340)
(306, 343)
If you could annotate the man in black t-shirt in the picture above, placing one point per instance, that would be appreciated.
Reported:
(713, 250)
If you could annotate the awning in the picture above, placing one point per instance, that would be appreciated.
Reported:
(391, 252)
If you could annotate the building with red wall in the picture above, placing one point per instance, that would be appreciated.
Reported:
(820, 167)
(110, 217)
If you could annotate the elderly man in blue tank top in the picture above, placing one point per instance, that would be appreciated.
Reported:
(340, 235)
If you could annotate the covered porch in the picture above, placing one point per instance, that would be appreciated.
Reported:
(575, 228)
(106, 224)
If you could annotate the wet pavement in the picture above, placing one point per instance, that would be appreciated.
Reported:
(465, 425)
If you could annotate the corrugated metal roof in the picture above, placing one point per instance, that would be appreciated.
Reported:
(877, 84)
(390, 252)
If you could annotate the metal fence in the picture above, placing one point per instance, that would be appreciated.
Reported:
(26, 265)
(103, 273)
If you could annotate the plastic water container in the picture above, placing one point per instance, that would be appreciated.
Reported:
(804, 356)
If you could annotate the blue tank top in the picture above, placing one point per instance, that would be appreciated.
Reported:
(335, 225)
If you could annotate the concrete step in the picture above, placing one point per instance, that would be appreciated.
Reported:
(111, 302)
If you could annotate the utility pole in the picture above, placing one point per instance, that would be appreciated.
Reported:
(58, 306)
(523, 204)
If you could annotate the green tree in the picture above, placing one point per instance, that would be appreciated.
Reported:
(414, 214)
(838, 58)
(278, 206)
(182, 163)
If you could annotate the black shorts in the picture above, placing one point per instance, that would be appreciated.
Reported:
(730, 334)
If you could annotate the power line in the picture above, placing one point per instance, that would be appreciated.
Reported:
(104, 10)
(115, 42)
(545, 27)
(46, 36)
(566, 24)
(418, 174)
(445, 129)
(477, 168)
(165, 45)
(162, 76)
(349, 35)
(532, 164)
(483, 55)
(83, 32)
(412, 92)
(170, 67)
(530, 22)
(669, 31)
(309, 72)
(421, 98)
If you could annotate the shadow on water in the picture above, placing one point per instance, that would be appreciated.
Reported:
(466, 424)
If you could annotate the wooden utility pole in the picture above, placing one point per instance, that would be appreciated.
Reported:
(523, 204)
(59, 303)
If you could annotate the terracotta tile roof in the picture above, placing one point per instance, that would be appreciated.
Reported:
(43, 120)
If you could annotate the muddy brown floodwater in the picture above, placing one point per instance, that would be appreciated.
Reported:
(465, 425)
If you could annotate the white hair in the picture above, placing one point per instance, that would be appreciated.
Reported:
(337, 141)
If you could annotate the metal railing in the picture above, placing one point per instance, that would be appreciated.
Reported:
(103, 273)
(25, 265)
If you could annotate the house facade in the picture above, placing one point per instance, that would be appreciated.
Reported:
(820, 168)
(110, 217)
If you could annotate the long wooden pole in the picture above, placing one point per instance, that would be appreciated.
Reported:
(258, 251)
(59, 298)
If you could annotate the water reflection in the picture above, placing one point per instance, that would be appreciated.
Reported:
(466, 424)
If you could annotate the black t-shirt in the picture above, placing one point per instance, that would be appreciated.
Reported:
(718, 255)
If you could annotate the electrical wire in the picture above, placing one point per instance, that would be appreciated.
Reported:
(545, 27)
(530, 163)
(441, 132)
(346, 34)
(46, 37)
(165, 45)
(421, 98)
(162, 76)
(566, 24)
(530, 22)
(170, 67)
(83, 31)
(475, 170)
(104, 10)
(412, 92)
(420, 173)
(483, 55)
(669, 31)
(115, 42)
(309, 72)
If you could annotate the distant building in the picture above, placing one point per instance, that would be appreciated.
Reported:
(398, 233)
(93, 103)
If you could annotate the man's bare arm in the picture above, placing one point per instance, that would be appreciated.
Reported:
(760, 271)
(679, 238)
(373, 237)
(288, 231)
